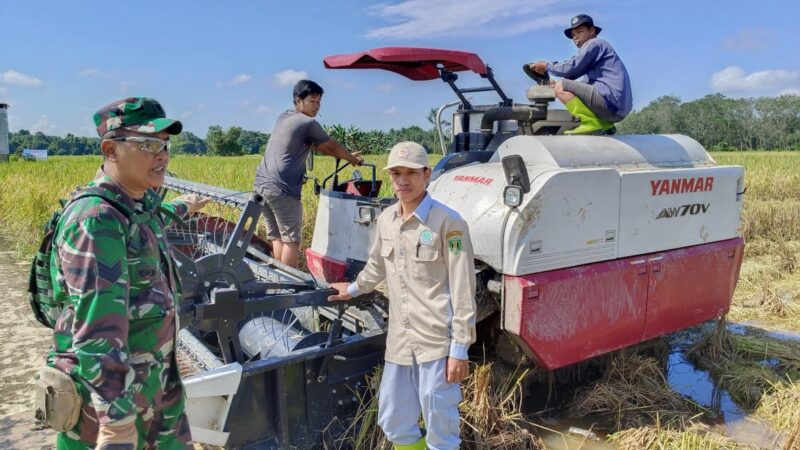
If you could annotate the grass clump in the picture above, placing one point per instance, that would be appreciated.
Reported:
(492, 411)
(781, 408)
(747, 366)
(694, 436)
(491, 416)
(634, 392)
(363, 431)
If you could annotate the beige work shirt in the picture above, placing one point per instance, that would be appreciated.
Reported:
(428, 265)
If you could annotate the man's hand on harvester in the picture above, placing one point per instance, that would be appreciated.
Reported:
(539, 67)
(357, 159)
(457, 370)
(342, 295)
(195, 202)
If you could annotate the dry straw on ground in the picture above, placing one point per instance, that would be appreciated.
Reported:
(633, 393)
(781, 408)
(491, 412)
(491, 416)
(676, 437)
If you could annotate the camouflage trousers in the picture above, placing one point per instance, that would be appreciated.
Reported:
(160, 419)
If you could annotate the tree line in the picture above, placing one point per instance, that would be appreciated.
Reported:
(234, 141)
(716, 121)
(721, 123)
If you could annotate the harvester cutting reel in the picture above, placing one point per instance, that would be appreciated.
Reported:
(220, 288)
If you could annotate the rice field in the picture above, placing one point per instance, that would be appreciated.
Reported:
(767, 296)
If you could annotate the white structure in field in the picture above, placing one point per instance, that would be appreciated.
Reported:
(34, 154)
(3, 132)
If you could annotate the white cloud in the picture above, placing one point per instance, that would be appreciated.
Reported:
(3, 91)
(246, 103)
(422, 19)
(749, 40)
(390, 110)
(90, 72)
(289, 77)
(240, 79)
(192, 110)
(43, 125)
(263, 109)
(20, 79)
(734, 79)
(125, 85)
(385, 87)
(790, 91)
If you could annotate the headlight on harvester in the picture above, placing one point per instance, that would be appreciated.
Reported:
(512, 196)
(365, 215)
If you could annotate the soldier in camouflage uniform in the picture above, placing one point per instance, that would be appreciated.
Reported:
(113, 273)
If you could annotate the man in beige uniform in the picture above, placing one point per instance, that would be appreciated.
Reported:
(423, 251)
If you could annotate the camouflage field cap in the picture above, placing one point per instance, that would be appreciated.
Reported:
(140, 114)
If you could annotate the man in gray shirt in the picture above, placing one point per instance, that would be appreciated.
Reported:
(607, 97)
(279, 177)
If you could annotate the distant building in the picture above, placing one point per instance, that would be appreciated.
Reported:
(3, 132)
(34, 154)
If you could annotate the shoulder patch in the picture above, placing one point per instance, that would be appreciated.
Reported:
(454, 241)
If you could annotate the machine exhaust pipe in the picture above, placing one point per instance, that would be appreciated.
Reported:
(520, 113)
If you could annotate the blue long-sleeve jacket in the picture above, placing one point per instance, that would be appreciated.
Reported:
(598, 61)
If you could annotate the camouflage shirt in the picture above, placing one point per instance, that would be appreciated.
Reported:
(118, 288)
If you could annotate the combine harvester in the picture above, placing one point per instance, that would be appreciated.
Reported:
(583, 245)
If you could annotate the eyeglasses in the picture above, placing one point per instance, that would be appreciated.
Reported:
(147, 144)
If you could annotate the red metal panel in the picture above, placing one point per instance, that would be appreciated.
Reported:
(569, 315)
(415, 63)
(691, 285)
(327, 269)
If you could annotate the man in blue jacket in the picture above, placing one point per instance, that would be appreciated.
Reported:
(606, 96)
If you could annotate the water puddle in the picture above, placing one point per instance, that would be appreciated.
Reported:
(726, 417)
(736, 423)
(556, 435)
(754, 328)
(696, 384)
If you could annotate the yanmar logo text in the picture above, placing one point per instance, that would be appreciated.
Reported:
(683, 210)
(681, 185)
(473, 179)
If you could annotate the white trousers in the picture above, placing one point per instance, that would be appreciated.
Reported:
(408, 390)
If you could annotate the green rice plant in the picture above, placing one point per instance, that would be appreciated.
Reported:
(31, 191)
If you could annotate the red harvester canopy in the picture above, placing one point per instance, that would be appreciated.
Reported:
(417, 64)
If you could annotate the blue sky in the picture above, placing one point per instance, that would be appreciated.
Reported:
(234, 62)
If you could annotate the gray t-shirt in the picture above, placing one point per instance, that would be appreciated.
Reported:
(284, 164)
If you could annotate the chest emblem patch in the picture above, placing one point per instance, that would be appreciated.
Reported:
(426, 238)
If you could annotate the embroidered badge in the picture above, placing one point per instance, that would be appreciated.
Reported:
(426, 237)
(403, 153)
(454, 241)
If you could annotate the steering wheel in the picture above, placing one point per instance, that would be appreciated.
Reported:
(539, 78)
